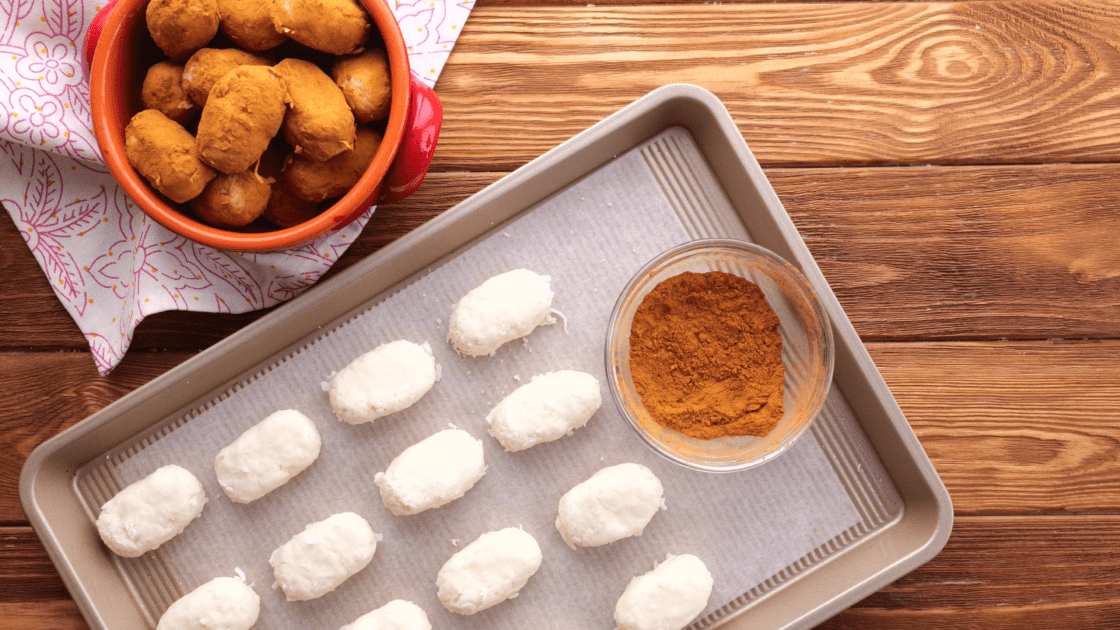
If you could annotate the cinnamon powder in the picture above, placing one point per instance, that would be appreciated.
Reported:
(706, 356)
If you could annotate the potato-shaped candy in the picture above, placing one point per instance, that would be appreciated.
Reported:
(506, 307)
(323, 556)
(320, 125)
(267, 455)
(546, 408)
(385, 380)
(206, 67)
(615, 503)
(180, 27)
(163, 90)
(364, 81)
(222, 603)
(432, 473)
(249, 23)
(166, 155)
(285, 209)
(488, 571)
(232, 200)
(669, 596)
(315, 181)
(338, 27)
(396, 615)
(151, 511)
(243, 113)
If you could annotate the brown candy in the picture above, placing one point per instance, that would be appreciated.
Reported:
(315, 181)
(338, 27)
(243, 113)
(206, 67)
(320, 125)
(166, 155)
(163, 90)
(232, 200)
(249, 23)
(364, 81)
(180, 27)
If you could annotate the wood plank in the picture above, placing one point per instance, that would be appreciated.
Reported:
(1015, 428)
(26, 572)
(59, 614)
(984, 578)
(912, 253)
(1006, 572)
(808, 84)
(965, 252)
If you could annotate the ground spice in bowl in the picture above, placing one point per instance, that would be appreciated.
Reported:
(706, 356)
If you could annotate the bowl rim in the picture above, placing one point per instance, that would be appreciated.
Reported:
(681, 252)
(108, 108)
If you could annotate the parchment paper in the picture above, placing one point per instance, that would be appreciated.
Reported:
(590, 239)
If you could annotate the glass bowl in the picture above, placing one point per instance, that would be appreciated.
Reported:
(807, 352)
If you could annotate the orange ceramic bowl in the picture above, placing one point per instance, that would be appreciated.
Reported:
(117, 66)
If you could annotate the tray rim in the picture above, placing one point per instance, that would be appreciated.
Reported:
(930, 515)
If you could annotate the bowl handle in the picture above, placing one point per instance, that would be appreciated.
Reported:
(421, 132)
(94, 33)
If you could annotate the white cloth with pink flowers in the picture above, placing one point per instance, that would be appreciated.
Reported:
(107, 262)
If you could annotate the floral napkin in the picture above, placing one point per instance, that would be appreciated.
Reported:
(108, 264)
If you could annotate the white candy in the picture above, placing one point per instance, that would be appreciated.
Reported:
(506, 307)
(666, 598)
(220, 604)
(488, 571)
(396, 615)
(151, 511)
(432, 472)
(382, 381)
(267, 455)
(546, 408)
(615, 503)
(325, 554)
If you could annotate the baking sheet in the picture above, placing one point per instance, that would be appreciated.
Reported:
(590, 239)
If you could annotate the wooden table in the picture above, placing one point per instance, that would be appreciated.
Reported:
(953, 167)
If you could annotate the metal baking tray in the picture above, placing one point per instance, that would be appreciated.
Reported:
(717, 189)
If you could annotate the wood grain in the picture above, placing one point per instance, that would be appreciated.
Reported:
(1015, 428)
(59, 614)
(997, 572)
(1018, 252)
(26, 574)
(808, 84)
(966, 252)
(1046, 572)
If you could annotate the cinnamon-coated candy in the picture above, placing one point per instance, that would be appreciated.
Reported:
(320, 125)
(243, 113)
(180, 27)
(163, 90)
(364, 81)
(207, 66)
(249, 23)
(338, 27)
(166, 155)
(315, 181)
(232, 200)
